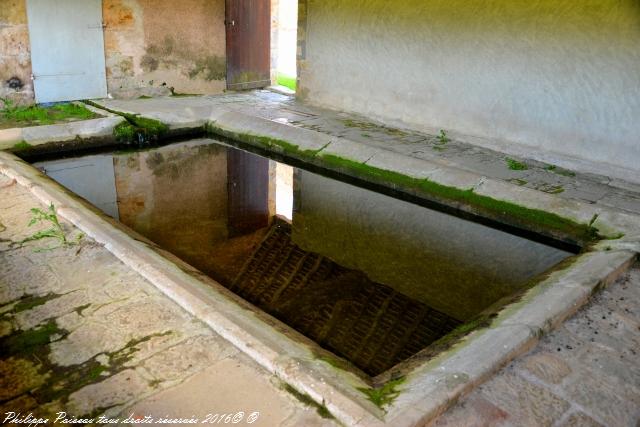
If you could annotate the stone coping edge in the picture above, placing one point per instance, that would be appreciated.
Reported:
(429, 389)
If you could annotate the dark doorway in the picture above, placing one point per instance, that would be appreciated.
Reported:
(248, 181)
(248, 25)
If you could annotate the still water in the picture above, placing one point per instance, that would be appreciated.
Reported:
(370, 277)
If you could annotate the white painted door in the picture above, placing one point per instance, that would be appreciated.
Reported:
(67, 49)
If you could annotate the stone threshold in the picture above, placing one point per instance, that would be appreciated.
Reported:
(429, 388)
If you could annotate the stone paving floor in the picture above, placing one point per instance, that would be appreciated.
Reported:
(545, 177)
(584, 374)
(80, 332)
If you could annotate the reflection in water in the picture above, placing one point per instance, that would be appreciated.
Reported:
(370, 277)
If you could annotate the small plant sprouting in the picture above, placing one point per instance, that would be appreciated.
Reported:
(559, 171)
(54, 232)
(443, 138)
(515, 165)
(385, 395)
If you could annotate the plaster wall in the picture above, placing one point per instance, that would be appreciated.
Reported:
(176, 196)
(455, 266)
(557, 76)
(15, 54)
(154, 45)
(151, 46)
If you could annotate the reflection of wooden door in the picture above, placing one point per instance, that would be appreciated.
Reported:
(248, 180)
(248, 43)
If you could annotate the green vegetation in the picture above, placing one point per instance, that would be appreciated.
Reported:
(510, 213)
(22, 145)
(181, 95)
(139, 130)
(553, 189)
(33, 115)
(385, 395)
(479, 204)
(518, 181)
(373, 127)
(515, 165)
(25, 341)
(443, 138)
(445, 342)
(29, 302)
(287, 81)
(559, 171)
(54, 232)
(307, 400)
(265, 141)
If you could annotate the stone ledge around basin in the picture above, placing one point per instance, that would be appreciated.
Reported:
(93, 132)
(568, 220)
(429, 388)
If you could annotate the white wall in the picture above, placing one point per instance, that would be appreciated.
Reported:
(559, 75)
(456, 266)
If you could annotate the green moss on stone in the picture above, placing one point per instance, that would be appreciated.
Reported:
(499, 210)
(28, 303)
(518, 181)
(384, 395)
(265, 141)
(24, 342)
(307, 400)
(516, 165)
(137, 130)
(21, 146)
(479, 204)
(559, 171)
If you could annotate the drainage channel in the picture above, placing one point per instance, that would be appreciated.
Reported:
(374, 279)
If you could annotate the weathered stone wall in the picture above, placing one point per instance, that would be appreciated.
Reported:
(150, 47)
(154, 45)
(15, 57)
(555, 75)
(176, 196)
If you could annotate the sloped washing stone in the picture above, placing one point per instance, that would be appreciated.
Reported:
(414, 168)
(246, 126)
(95, 128)
(349, 150)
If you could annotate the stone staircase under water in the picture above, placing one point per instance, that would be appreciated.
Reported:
(367, 323)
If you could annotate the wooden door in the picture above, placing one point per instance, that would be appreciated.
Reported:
(248, 180)
(248, 25)
(67, 49)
